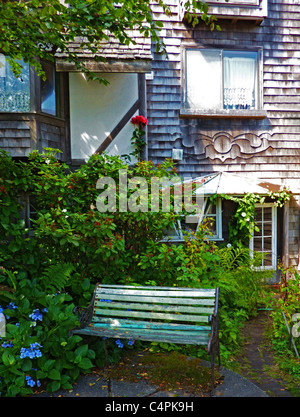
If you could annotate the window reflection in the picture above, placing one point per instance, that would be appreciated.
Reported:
(14, 92)
(48, 96)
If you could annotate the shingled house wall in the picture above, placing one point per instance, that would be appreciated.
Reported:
(278, 156)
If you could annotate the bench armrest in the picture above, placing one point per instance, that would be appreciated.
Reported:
(214, 336)
(85, 314)
(213, 344)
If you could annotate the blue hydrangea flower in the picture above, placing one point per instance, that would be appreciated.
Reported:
(130, 342)
(119, 343)
(12, 306)
(7, 344)
(36, 315)
(31, 382)
(32, 352)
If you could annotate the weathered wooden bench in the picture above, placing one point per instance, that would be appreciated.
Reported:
(155, 314)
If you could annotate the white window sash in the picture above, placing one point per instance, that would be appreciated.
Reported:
(274, 238)
(203, 215)
(207, 87)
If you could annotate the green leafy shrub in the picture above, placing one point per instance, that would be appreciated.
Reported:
(52, 264)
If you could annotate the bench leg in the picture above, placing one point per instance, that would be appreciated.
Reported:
(106, 366)
(106, 354)
(212, 360)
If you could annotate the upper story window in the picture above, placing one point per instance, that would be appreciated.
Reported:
(14, 92)
(250, 10)
(222, 83)
(218, 79)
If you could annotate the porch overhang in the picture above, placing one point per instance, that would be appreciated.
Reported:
(109, 65)
(236, 184)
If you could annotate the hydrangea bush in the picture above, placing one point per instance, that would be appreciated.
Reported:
(50, 266)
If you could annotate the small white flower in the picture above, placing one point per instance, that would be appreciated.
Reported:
(64, 210)
(47, 161)
(228, 245)
(244, 214)
(248, 220)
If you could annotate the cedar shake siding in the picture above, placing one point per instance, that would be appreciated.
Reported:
(263, 144)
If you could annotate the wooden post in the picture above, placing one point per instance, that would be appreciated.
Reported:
(143, 110)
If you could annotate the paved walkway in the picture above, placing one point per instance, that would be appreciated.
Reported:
(94, 385)
(255, 355)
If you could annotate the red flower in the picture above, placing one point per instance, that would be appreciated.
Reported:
(141, 121)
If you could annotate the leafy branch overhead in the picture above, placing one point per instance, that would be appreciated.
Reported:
(32, 30)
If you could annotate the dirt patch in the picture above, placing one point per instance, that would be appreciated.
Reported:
(167, 371)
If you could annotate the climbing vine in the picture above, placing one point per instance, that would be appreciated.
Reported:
(243, 223)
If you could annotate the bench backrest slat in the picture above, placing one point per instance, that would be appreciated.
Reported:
(137, 305)
(154, 307)
(158, 293)
(156, 300)
(109, 323)
(148, 316)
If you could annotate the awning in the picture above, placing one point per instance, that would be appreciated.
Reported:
(235, 184)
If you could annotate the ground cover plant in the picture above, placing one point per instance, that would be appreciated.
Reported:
(286, 299)
(50, 262)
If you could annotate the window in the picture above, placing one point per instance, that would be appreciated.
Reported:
(48, 90)
(218, 79)
(265, 240)
(14, 92)
(192, 222)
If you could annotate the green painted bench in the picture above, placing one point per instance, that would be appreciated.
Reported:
(154, 314)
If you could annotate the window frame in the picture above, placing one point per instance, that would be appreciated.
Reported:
(56, 91)
(35, 93)
(274, 238)
(257, 113)
(219, 232)
(29, 88)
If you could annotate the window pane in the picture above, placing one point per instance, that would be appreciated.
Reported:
(268, 244)
(189, 223)
(267, 261)
(268, 229)
(212, 225)
(14, 92)
(203, 79)
(267, 214)
(212, 210)
(240, 78)
(48, 99)
(173, 232)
